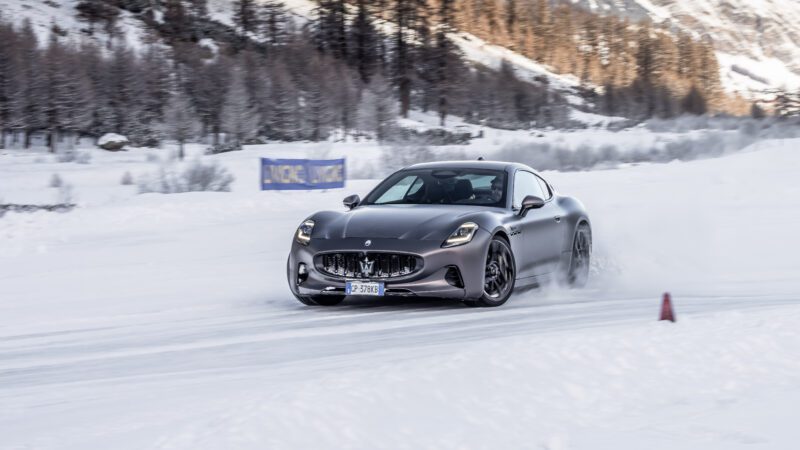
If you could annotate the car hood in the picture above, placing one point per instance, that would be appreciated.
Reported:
(421, 222)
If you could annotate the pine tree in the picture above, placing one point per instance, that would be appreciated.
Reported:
(446, 58)
(97, 11)
(120, 83)
(240, 118)
(273, 23)
(95, 67)
(66, 94)
(377, 111)
(364, 40)
(511, 17)
(177, 23)
(686, 56)
(694, 102)
(644, 88)
(28, 107)
(318, 110)
(707, 80)
(381, 10)
(344, 93)
(331, 28)
(542, 27)
(245, 16)
(590, 45)
(284, 121)
(757, 112)
(53, 87)
(609, 102)
(154, 85)
(8, 69)
(180, 121)
(423, 51)
(199, 8)
(404, 18)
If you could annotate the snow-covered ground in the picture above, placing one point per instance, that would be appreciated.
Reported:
(164, 321)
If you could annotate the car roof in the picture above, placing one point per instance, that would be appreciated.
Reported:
(475, 164)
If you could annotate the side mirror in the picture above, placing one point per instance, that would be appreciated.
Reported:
(351, 201)
(530, 202)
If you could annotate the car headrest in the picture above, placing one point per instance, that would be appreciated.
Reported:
(463, 190)
(434, 192)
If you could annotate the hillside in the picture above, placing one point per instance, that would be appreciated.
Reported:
(61, 15)
(44, 13)
(757, 41)
(258, 70)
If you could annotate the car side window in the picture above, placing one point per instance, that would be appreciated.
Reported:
(525, 184)
(400, 190)
(545, 188)
(415, 187)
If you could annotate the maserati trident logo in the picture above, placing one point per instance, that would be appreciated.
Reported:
(367, 243)
(366, 266)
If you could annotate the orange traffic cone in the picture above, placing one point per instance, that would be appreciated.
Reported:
(666, 308)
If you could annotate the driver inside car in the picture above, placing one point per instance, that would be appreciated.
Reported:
(496, 192)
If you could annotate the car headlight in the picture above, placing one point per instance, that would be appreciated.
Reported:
(462, 235)
(303, 235)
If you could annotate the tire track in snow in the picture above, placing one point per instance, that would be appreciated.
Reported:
(264, 339)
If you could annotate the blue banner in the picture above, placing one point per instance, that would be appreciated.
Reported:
(301, 174)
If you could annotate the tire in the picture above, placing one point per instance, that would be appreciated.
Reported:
(499, 275)
(581, 258)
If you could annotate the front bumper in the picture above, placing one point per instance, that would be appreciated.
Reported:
(430, 281)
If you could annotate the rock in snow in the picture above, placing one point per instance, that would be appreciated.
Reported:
(112, 142)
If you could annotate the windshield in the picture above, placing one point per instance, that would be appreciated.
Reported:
(441, 187)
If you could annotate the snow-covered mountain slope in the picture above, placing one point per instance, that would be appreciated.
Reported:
(757, 41)
(473, 48)
(490, 55)
(44, 15)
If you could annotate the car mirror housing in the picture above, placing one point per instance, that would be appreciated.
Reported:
(530, 202)
(351, 201)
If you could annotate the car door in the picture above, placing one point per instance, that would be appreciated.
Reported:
(540, 228)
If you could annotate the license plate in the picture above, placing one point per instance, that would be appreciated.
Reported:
(363, 288)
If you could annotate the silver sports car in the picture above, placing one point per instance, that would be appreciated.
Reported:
(468, 230)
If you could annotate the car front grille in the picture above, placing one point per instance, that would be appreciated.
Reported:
(369, 265)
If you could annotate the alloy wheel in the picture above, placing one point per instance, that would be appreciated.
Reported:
(499, 275)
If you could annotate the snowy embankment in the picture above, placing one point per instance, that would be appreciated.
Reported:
(164, 321)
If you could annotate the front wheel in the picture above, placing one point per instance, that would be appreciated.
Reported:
(499, 275)
(578, 273)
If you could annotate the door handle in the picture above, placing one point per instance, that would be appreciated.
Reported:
(558, 219)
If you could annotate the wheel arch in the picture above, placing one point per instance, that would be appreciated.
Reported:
(583, 220)
(501, 233)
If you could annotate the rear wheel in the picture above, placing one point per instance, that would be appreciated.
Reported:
(499, 275)
(578, 273)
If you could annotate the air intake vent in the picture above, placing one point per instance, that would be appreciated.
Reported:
(453, 277)
(369, 265)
